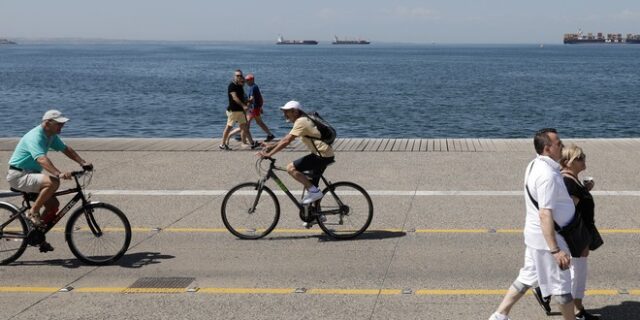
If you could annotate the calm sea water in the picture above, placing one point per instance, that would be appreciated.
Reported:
(179, 89)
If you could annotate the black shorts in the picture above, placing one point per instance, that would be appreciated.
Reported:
(313, 163)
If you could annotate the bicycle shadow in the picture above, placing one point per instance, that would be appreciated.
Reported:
(367, 235)
(625, 310)
(132, 260)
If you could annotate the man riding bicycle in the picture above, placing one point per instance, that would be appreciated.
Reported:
(317, 161)
(30, 157)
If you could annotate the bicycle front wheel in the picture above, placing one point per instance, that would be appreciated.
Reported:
(13, 237)
(98, 233)
(248, 212)
(345, 212)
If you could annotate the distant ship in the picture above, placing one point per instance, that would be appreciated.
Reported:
(338, 41)
(281, 40)
(5, 41)
(579, 37)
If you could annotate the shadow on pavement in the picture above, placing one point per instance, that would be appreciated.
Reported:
(625, 310)
(133, 260)
(367, 235)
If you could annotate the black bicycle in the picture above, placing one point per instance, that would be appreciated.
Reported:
(251, 210)
(97, 233)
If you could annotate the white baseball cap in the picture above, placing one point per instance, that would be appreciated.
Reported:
(292, 105)
(54, 115)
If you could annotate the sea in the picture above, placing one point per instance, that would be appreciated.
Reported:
(178, 89)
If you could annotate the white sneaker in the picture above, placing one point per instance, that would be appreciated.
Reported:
(497, 316)
(311, 197)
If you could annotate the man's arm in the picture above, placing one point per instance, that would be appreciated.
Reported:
(46, 163)
(73, 155)
(548, 231)
(235, 98)
(273, 148)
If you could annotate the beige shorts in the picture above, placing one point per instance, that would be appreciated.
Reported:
(235, 116)
(25, 181)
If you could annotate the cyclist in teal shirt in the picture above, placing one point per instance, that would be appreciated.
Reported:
(30, 158)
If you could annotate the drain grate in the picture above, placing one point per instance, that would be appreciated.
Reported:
(160, 285)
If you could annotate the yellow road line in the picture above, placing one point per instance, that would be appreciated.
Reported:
(353, 291)
(248, 290)
(318, 231)
(28, 289)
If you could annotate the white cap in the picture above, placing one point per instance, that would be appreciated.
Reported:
(292, 105)
(54, 115)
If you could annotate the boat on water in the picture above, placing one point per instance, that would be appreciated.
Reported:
(349, 41)
(281, 40)
(6, 41)
(579, 37)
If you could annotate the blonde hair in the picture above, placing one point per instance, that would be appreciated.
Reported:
(570, 154)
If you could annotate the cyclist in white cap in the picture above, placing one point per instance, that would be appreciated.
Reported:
(317, 161)
(30, 158)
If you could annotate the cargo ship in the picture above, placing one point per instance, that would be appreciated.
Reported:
(5, 41)
(338, 41)
(281, 40)
(579, 37)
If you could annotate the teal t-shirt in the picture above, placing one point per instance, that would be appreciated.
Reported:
(32, 146)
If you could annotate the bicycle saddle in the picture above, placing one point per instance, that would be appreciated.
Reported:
(32, 196)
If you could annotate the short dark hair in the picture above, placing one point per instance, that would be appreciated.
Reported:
(541, 139)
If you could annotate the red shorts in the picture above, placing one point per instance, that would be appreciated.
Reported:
(254, 113)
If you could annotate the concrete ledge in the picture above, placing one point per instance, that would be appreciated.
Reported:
(341, 145)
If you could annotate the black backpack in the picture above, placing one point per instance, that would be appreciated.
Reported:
(327, 132)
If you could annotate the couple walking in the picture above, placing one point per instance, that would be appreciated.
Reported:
(242, 109)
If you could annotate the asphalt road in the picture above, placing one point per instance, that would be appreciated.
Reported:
(445, 242)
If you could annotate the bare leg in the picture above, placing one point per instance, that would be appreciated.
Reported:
(509, 301)
(245, 134)
(299, 176)
(225, 135)
(49, 187)
(263, 126)
(567, 311)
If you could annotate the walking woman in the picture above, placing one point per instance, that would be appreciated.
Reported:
(573, 162)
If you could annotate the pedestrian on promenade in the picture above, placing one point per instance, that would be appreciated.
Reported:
(573, 162)
(317, 161)
(236, 111)
(546, 258)
(30, 158)
(255, 108)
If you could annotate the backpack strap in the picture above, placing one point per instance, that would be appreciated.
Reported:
(535, 203)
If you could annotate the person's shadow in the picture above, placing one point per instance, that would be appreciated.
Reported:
(367, 235)
(625, 310)
(131, 260)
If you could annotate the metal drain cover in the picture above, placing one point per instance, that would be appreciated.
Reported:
(160, 285)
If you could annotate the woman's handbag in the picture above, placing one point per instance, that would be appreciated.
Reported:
(597, 241)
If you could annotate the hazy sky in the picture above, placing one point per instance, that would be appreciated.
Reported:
(440, 21)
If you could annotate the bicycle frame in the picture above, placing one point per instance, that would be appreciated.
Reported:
(271, 175)
(26, 204)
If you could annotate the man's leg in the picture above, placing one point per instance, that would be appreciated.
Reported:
(245, 134)
(263, 126)
(49, 187)
(565, 302)
(225, 135)
(515, 292)
(299, 176)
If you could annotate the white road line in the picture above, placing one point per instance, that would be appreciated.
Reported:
(397, 193)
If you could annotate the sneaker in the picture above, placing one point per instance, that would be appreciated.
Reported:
(544, 302)
(224, 147)
(34, 218)
(584, 315)
(269, 138)
(497, 316)
(45, 247)
(312, 197)
(255, 145)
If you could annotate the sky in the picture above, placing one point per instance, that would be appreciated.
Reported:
(412, 21)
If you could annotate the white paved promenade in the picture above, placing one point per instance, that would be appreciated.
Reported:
(445, 242)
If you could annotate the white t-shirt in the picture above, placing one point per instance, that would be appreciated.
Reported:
(547, 187)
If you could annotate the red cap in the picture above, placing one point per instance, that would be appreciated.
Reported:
(249, 77)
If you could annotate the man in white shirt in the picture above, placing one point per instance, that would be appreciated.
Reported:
(547, 258)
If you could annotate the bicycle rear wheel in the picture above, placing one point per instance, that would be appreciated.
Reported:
(13, 237)
(98, 233)
(347, 210)
(250, 214)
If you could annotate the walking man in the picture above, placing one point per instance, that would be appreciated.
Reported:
(255, 108)
(30, 157)
(236, 112)
(546, 257)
